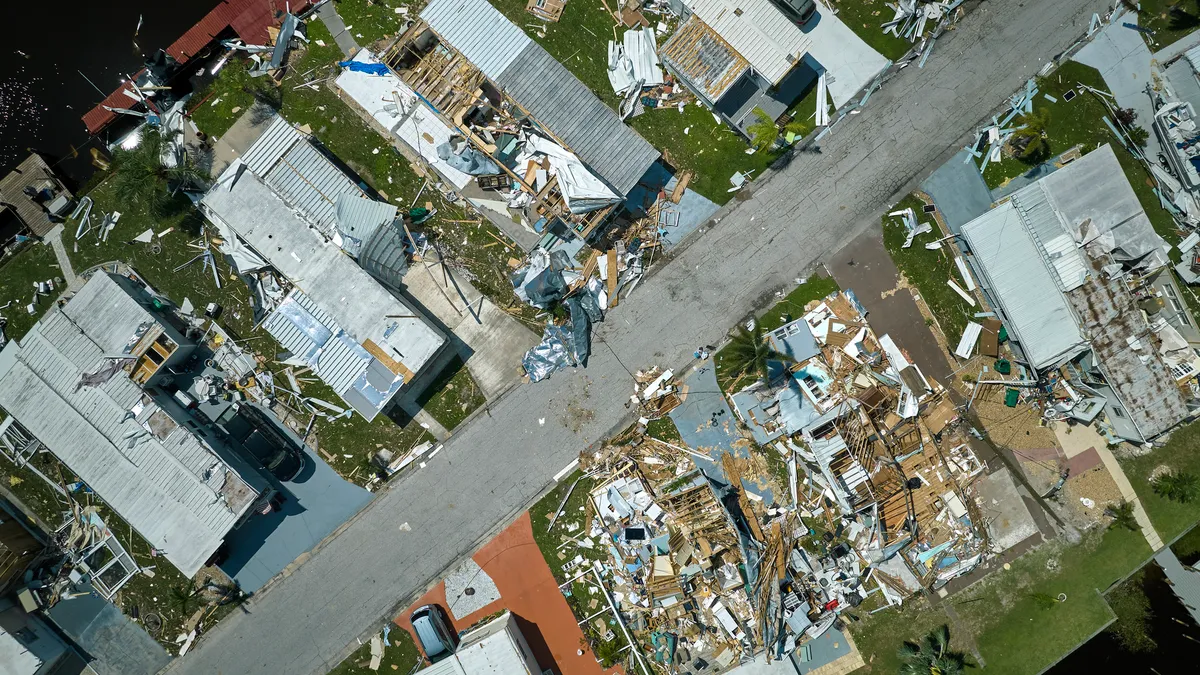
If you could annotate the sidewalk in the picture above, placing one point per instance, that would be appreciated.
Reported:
(54, 237)
(1081, 439)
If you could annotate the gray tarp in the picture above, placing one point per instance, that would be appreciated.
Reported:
(550, 355)
(469, 161)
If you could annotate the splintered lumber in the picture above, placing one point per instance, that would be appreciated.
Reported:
(729, 463)
(612, 277)
(680, 186)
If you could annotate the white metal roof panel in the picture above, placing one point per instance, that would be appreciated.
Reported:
(758, 31)
(478, 31)
(1015, 271)
(300, 174)
(571, 113)
(1056, 247)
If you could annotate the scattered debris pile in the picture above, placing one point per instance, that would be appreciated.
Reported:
(991, 138)
(877, 499)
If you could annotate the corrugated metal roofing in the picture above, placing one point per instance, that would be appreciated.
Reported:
(158, 486)
(382, 256)
(243, 203)
(758, 31)
(566, 108)
(359, 217)
(334, 356)
(1038, 315)
(557, 100)
(300, 173)
(479, 32)
(1056, 247)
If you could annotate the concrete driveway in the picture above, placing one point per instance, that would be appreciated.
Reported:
(850, 62)
(319, 501)
(1124, 60)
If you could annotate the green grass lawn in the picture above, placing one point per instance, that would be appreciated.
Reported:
(927, 271)
(1181, 453)
(1080, 122)
(1170, 20)
(369, 21)
(865, 17)
(401, 656)
(664, 429)
(709, 149)
(1013, 633)
(216, 107)
(34, 262)
(453, 397)
(1187, 546)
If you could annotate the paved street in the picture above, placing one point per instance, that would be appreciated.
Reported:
(491, 469)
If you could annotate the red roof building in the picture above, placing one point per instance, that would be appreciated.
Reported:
(247, 19)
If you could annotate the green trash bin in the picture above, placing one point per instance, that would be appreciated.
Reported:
(1011, 396)
(1002, 336)
(1003, 366)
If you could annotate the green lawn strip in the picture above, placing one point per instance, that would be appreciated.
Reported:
(401, 656)
(710, 149)
(1080, 122)
(453, 397)
(1017, 635)
(927, 271)
(865, 17)
(785, 311)
(369, 21)
(1187, 546)
(1180, 453)
(1171, 20)
(34, 262)
(879, 636)
(216, 107)
(352, 442)
(664, 429)
(1013, 632)
(159, 269)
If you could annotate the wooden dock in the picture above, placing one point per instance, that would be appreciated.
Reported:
(33, 172)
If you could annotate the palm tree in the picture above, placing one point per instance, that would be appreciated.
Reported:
(932, 656)
(749, 352)
(1031, 141)
(141, 178)
(1122, 515)
(1177, 486)
(765, 132)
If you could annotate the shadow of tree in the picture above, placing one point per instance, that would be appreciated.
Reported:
(1182, 20)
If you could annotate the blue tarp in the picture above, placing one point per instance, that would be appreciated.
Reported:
(368, 68)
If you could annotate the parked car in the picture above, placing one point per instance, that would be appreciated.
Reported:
(799, 11)
(438, 640)
(266, 444)
(284, 462)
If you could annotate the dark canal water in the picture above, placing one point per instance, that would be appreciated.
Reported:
(1172, 627)
(49, 44)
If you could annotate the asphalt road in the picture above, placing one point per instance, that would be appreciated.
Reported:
(494, 467)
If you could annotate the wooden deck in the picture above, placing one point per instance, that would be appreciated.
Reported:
(32, 172)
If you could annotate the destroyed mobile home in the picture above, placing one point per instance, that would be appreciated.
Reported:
(704, 565)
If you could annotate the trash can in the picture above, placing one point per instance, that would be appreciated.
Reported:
(1003, 366)
(1011, 396)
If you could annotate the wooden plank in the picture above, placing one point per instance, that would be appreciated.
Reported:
(386, 359)
(680, 186)
(612, 278)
